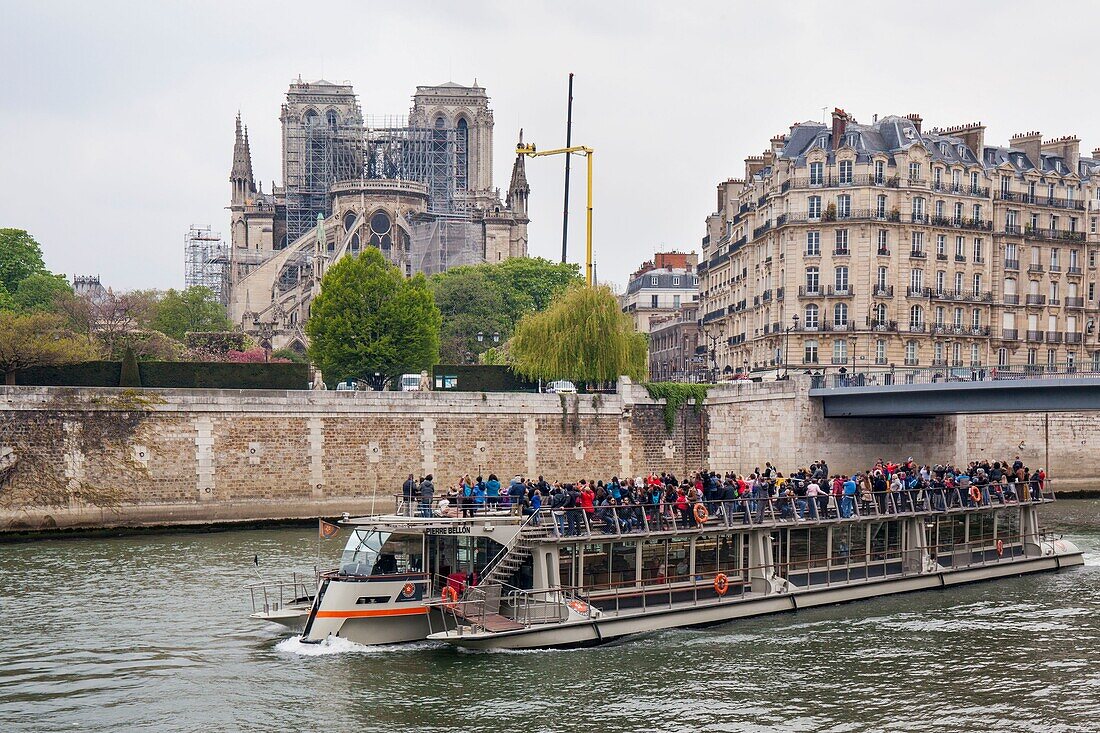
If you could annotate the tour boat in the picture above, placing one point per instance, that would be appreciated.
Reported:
(617, 572)
(391, 566)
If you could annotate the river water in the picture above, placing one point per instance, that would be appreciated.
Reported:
(151, 632)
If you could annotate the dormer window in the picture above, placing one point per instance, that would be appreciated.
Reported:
(653, 281)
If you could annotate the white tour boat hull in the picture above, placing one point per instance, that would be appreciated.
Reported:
(603, 628)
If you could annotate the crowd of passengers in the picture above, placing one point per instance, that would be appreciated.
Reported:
(665, 502)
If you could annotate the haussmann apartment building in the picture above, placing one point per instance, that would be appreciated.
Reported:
(881, 246)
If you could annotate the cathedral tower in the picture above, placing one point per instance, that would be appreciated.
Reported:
(465, 110)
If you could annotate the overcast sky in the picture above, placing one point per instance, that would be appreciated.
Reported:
(117, 124)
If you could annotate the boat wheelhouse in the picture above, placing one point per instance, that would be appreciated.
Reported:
(391, 566)
(616, 571)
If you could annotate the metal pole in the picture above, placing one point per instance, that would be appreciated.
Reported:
(588, 255)
(568, 143)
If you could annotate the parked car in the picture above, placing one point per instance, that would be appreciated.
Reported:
(561, 386)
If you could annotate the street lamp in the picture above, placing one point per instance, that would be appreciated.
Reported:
(787, 346)
(480, 336)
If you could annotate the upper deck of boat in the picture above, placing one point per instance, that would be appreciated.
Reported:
(604, 522)
(738, 515)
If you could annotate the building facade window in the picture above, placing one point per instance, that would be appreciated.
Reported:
(817, 174)
(813, 244)
(845, 172)
(840, 315)
(812, 316)
(813, 280)
(809, 353)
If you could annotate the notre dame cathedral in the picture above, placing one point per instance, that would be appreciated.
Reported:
(418, 188)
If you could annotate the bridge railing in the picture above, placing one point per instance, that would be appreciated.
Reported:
(842, 378)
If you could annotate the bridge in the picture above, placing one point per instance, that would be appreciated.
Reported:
(954, 391)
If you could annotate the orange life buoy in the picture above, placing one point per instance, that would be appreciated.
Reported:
(579, 606)
(701, 514)
(975, 493)
(1000, 547)
(721, 584)
(450, 597)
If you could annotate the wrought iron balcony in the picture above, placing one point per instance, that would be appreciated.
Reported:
(1012, 264)
(1011, 299)
(1036, 300)
(883, 291)
(1036, 336)
(1037, 200)
(1075, 301)
(1009, 334)
(1054, 337)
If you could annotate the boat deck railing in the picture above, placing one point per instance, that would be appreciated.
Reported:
(272, 595)
(769, 511)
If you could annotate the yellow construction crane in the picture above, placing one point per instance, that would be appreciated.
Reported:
(529, 150)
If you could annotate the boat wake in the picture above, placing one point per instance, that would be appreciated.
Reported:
(340, 645)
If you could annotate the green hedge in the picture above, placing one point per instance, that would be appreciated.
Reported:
(84, 374)
(479, 378)
(172, 374)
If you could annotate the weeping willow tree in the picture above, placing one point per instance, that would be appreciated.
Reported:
(583, 337)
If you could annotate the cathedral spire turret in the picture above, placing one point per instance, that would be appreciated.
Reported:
(518, 189)
(241, 173)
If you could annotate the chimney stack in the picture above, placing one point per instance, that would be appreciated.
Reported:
(1068, 148)
(916, 120)
(1032, 145)
(973, 136)
(840, 124)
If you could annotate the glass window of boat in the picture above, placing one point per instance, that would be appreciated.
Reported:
(885, 540)
(808, 547)
(1008, 524)
(981, 528)
(654, 561)
(624, 564)
(849, 544)
(567, 566)
(714, 554)
(374, 552)
(595, 565)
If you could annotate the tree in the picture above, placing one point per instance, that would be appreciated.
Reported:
(131, 374)
(291, 355)
(372, 324)
(193, 309)
(37, 339)
(470, 304)
(7, 303)
(114, 321)
(583, 336)
(531, 284)
(20, 257)
(491, 298)
(41, 291)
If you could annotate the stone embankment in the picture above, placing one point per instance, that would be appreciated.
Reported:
(73, 457)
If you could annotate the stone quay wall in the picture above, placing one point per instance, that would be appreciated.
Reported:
(74, 457)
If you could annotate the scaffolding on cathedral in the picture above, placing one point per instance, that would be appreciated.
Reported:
(444, 236)
(323, 154)
(206, 262)
(386, 147)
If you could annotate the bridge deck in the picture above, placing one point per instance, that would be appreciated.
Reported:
(961, 397)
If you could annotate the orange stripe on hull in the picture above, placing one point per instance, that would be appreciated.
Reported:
(373, 613)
